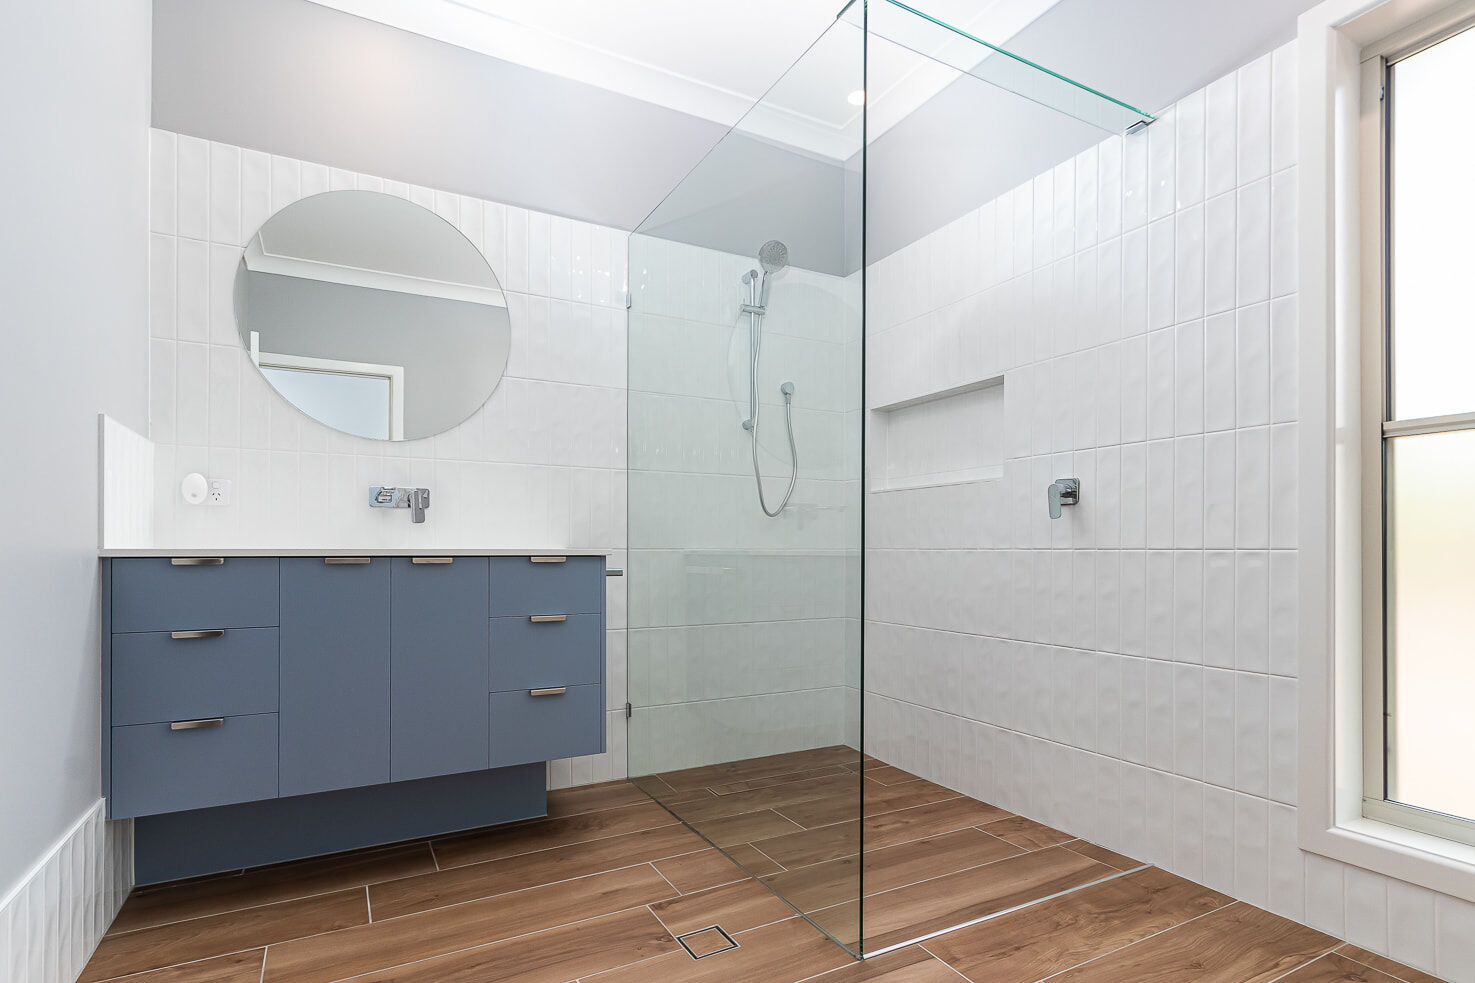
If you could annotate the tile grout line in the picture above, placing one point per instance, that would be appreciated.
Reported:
(679, 892)
(1351, 958)
(1145, 938)
(943, 961)
(1313, 960)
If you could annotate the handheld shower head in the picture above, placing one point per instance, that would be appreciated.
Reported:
(773, 256)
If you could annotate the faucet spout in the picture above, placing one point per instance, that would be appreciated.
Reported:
(417, 500)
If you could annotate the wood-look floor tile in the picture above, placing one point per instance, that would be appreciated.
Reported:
(410, 894)
(1237, 944)
(558, 955)
(1027, 833)
(1036, 942)
(1102, 854)
(885, 830)
(233, 931)
(710, 868)
(785, 952)
(837, 881)
(544, 834)
(903, 914)
(732, 830)
(238, 967)
(1405, 974)
(736, 907)
(1337, 969)
(889, 775)
(878, 799)
(913, 964)
(593, 798)
(752, 784)
(764, 767)
(267, 885)
(771, 797)
(338, 955)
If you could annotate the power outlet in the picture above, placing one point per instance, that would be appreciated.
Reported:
(219, 493)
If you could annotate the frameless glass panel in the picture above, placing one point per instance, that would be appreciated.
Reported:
(1433, 208)
(744, 495)
(845, 237)
(1431, 621)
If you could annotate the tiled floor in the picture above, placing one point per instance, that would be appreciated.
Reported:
(609, 886)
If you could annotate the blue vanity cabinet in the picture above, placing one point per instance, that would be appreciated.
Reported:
(261, 709)
(438, 716)
(335, 673)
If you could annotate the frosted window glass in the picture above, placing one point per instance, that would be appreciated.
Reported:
(1433, 213)
(356, 404)
(1431, 620)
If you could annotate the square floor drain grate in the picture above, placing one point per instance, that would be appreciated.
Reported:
(706, 942)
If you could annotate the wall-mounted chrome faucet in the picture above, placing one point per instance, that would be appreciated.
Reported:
(1062, 491)
(417, 500)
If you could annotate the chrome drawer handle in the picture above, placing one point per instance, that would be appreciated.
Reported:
(546, 619)
(196, 561)
(347, 561)
(550, 691)
(201, 633)
(204, 724)
(548, 559)
(433, 560)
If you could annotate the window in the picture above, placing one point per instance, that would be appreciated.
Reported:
(1419, 450)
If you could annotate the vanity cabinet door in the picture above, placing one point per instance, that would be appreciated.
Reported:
(439, 654)
(335, 675)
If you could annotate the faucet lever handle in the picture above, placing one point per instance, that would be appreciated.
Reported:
(1062, 492)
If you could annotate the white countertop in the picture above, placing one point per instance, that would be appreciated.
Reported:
(367, 551)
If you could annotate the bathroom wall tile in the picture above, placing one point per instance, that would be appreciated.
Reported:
(1252, 734)
(1454, 927)
(1188, 492)
(255, 191)
(1218, 727)
(1251, 605)
(1251, 849)
(192, 189)
(1252, 243)
(225, 194)
(1219, 624)
(192, 393)
(1219, 477)
(192, 277)
(1161, 165)
(1411, 938)
(1161, 273)
(1254, 111)
(1284, 105)
(1252, 488)
(1189, 264)
(1367, 909)
(162, 285)
(1284, 749)
(224, 396)
(1218, 839)
(1284, 359)
(286, 182)
(1325, 895)
(1284, 485)
(1284, 238)
(1221, 140)
(1190, 119)
(163, 170)
(1287, 886)
(1220, 243)
(1135, 178)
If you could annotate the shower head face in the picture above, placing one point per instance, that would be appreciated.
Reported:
(773, 256)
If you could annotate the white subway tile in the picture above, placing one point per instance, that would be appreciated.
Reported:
(1252, 735)
(162, 183)
(1284, 106)
(1253, 131)
(1221, 142)
(1252, 243)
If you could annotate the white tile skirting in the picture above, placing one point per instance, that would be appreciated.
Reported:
(52, 920)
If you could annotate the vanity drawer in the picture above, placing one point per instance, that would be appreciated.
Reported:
(527, 654)
(161, 676)
(528, 728)
(163, 594)
(524, 585)
(158, 769)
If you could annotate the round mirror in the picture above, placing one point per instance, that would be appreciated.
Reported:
(372, 315)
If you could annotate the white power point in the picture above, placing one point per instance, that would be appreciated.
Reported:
(219, 491)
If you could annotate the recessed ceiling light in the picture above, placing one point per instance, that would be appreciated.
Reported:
(857, 98)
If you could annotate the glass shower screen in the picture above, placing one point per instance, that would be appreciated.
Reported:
(755, 450)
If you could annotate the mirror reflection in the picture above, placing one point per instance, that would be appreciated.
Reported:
(372, 315)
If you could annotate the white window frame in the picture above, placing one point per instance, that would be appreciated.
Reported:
(394, 374)
(1342, 47)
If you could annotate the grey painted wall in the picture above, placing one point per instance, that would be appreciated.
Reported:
(453, 351)
(295, 78)
(74, 276)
